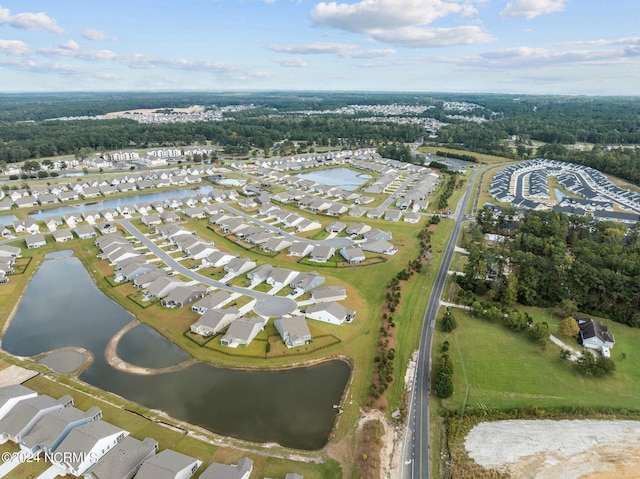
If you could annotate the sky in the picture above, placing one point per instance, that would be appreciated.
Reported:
(575, 47)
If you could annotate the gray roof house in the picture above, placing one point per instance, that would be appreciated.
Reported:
(294, 331)
(84, 445)
(11, 395)
(595, 335)
(215, 300)
(260, 274)
(145, 279)
(213, 321)
(242, 470)
(49, 431)
(26, 413)
(35, 241)
(379, 246)
(62, 235)
(7, 251)
(163, 285)
(331, 312)
(335, 227)
(281, 277)
(353, 255)
(322, 254)
(86, 231)
(376, 234)
(275, 244)
(242, 331)
(183, 295)
(134, 267)
(306, 281)
(393, 215)
(355, 229)
(300, 249)
(239, 265)
(124, 460)
(169, 464)
(328, 293)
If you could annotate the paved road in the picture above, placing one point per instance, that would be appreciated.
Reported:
(265, 304)
(415, 451)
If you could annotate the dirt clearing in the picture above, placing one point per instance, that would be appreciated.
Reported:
(568, 449)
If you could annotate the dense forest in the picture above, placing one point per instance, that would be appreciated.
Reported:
(546, 126)
(551, 259)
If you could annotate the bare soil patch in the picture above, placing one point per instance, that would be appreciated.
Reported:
(568, 449)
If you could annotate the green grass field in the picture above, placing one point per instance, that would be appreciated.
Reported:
(504, 369)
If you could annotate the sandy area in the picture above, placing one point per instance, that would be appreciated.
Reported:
(568, 449)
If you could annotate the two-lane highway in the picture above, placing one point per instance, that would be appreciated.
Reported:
(416, 451)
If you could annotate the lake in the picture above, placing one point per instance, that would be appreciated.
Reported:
(62, 307)
(344, 178)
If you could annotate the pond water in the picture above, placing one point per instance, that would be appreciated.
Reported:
(156, 353)
(115, 202)
(7, 220)
(62, 307)
(344, 178)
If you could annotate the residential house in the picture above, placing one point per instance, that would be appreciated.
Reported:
(51, 430)
(294, 331)
(376, 234)
(306, 282)
(53, 222)
(145, 279)
(72, 219)
(217, 259)
(86, 231)
(260, 274)
(70, 195)
(85, 445)
(357, 212)
(183, 295)
(105, 228)
(411, 217)
(124, 460)
(307, 225)
(336, 227)
(242, 470)
(393, 215)
(35, 241)
(163, 285)
(25, 201)
(275, 244)
(328, 294)
(238, 266)
(356, 229)
(380, 247)
(12, 395)
(24, 415)
(352, 255)
(47, 199)
(7, 251)
(215, 300)
(213, 321)
(322, 254)
(375, 213)
(62, 235)
(26, 226)
(281, 277)
(595, 335)
(196, 212)
(91, 216)
(153, 219)
(330, 312)
(132, 268)
(242, 331)
(169, 464)
(300, 249)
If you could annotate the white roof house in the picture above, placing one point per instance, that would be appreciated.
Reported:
(331, 312)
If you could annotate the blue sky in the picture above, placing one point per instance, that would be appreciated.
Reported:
(509, 46)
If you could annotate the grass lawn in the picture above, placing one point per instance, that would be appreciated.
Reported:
(505, 369)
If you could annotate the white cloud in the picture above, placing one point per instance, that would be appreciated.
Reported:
(30, 21)
(15, 48)
(368, 15)
(313, 48)
(96, 35)
(71, 49)
(343, 50)
(417, 37)
(291, 62)
(602, 42)
(70, 45)
(531, 8)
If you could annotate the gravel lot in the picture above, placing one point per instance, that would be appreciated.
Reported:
(568, 449)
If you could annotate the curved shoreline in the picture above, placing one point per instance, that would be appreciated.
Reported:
(120, 364)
